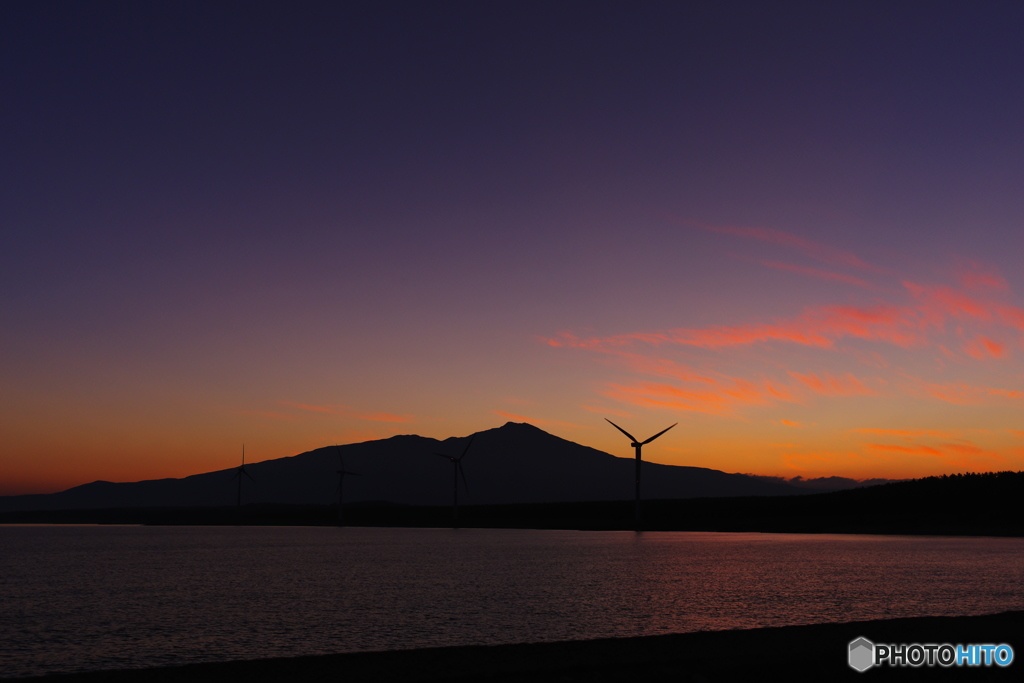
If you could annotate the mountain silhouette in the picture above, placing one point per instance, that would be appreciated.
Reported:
(515, 463)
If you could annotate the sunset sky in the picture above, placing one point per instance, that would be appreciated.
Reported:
(792, 228)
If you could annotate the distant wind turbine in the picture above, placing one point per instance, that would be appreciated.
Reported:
(457, 463)
(341, 482)
(637, 444)
(238, 473)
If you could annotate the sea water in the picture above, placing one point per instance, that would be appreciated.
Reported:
(80, 598)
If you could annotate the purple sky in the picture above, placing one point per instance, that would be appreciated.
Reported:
(296, 224)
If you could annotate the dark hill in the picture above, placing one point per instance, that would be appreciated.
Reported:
(515, 463)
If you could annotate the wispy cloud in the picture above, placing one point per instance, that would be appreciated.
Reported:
(815, 250)
(910, 433)
(978, 276)
(827, 385)
(983, 347)
(819, 327)
(959, 393)
(695, 368)
(818, 273)
(958, 454)
(720, 400)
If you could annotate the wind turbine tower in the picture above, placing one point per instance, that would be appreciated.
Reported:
(457, 470)
(238, 473)
(341, 483)
(637, 444)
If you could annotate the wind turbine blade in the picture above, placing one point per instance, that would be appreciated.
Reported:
(463, 473)
(631, 437)
(658, 434)
(340, 456)
(466, 449)
(446, 457)
(248, 475)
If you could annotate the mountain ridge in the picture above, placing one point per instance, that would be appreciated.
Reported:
(513, 463)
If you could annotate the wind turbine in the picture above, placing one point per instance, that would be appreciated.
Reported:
(457, 462)
(638, 445)
(238, 473)
(341, 481)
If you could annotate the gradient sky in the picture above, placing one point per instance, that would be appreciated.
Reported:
(794, 228)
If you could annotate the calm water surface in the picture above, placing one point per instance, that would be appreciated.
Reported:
(82, 598)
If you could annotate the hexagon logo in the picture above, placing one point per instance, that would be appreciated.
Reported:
(862, 654)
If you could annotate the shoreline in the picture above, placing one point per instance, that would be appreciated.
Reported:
(880, 533)
(797, 514)
(814, 652)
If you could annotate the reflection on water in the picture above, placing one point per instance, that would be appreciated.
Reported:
(82, 598)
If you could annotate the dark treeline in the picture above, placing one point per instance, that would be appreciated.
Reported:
(958, 504)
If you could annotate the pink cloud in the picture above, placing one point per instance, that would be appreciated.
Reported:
(976, 276)
(940, 301)
(816, 327)
(815, 250)
(817, 273)
(983, 347)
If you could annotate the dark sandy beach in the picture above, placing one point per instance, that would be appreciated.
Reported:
(817, 652)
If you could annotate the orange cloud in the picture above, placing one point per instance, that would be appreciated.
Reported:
(965, 394)
(846, 385)
(816, 327)
(663, 368)
(983, 347)
(961, 454)
(940, 301)
(790, 423)
(1011, 316)
(916, 449)
(717, 401)
(910, 433)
